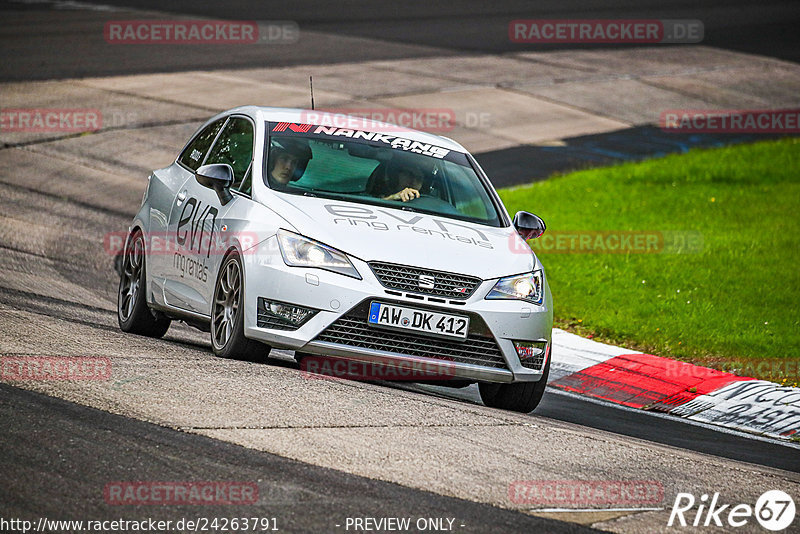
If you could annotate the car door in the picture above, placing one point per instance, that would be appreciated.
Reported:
(198, 224)
(165, 185)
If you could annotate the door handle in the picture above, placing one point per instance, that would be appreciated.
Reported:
(181, 197)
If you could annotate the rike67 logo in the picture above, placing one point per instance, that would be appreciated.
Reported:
(774, 510)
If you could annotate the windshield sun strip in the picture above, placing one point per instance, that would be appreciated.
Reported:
(497, 215)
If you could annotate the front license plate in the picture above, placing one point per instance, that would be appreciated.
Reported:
(401, 318)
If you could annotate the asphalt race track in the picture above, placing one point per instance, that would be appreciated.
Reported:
(107, 447)
(407, 29)
(320, 451)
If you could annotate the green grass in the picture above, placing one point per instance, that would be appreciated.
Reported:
(736, 298)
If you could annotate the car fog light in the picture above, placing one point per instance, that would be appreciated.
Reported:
(531, 354)
(290, 314)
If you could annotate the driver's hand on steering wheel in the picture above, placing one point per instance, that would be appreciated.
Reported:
(405, 195)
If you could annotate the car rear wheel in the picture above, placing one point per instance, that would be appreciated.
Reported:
(133, 314)
(227, 315)
(520, 397)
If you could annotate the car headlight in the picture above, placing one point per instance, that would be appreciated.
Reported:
(528, 287)
(299, 251)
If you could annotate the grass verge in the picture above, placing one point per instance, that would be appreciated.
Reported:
(731, 296)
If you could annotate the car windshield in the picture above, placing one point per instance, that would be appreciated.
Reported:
(376, 168)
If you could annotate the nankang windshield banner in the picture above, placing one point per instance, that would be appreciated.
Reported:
(373, 138)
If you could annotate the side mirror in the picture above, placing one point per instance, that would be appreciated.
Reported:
(217, 176)
(528, 225)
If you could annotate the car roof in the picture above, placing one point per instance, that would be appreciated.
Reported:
(326, 118)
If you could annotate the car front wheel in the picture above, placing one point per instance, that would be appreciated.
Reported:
(520, 397)
(227, 315)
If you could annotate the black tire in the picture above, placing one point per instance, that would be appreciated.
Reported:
(227, 315)
(520, 397)
(133, 314)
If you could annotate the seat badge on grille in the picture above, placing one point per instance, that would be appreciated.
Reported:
(426, 281)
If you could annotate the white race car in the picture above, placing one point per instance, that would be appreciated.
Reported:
(370, 244)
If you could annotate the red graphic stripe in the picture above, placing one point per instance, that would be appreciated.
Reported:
(646, 381)
(281, 126)
(300, 128)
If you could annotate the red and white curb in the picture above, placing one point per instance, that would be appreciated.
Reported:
(648, 382)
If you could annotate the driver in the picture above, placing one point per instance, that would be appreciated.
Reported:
(287, 161)
(406, 179)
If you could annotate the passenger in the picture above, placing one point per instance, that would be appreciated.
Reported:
(287, 161)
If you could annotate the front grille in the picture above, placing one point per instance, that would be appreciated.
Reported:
(352, 330)
(534, 363)
(405, 278)
(265, 320)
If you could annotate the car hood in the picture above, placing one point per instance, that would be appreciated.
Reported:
(378, 233)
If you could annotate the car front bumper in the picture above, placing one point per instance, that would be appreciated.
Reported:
(339, 327)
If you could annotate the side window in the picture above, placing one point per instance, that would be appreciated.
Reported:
(246, 187)
(194, 153)
(234, 147)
